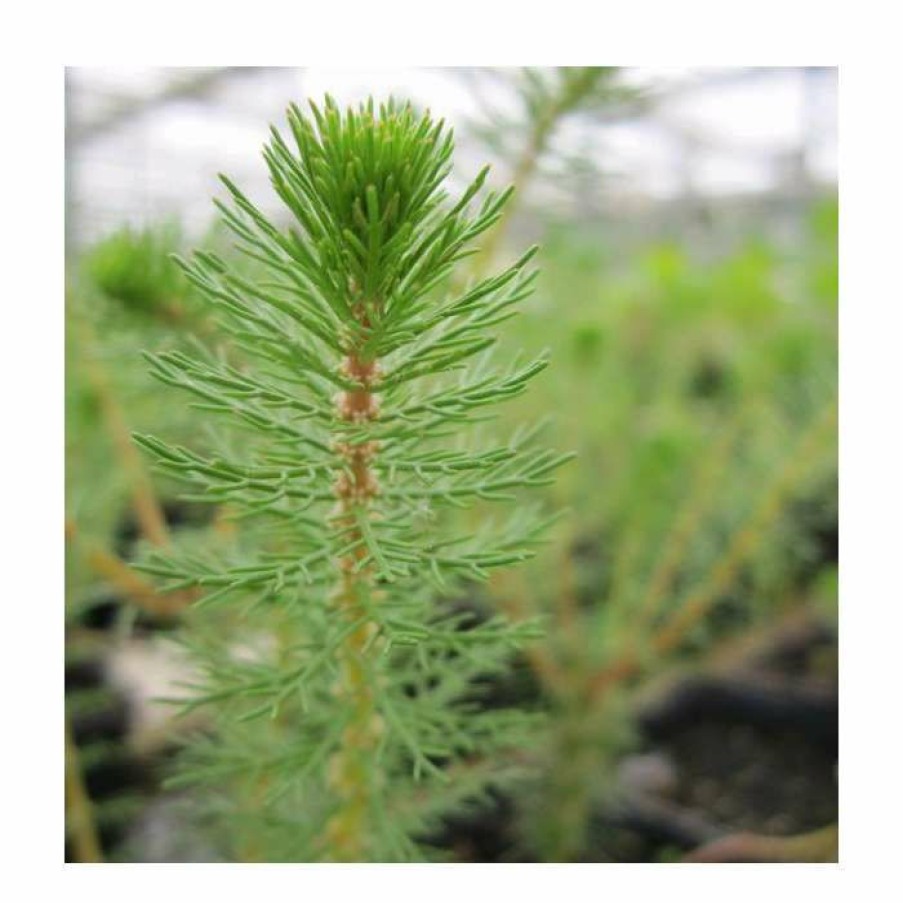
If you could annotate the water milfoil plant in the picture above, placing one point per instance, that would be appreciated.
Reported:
(344, 719)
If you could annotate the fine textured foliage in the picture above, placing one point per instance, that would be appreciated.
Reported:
(133, 269)
(345, 718)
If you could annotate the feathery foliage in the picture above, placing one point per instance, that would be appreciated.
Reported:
(133, 268)
(341, 693)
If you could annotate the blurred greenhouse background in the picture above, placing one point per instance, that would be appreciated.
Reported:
(688, 229)
(670, 149)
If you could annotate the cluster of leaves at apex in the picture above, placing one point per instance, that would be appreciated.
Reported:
(366, 276)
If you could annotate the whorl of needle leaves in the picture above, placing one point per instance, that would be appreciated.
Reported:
(354, 299)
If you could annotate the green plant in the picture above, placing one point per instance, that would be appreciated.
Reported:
(683, 529)
(345, 720)
(662, 613)
(545, 99)
(131, 267)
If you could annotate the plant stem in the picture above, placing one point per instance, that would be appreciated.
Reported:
(79, 812)
(700, 601)
(813, 846)
(686, 524)
(567, 804)
(351, 775)
(546, 121)
(746, 540)
(144, 500)
(138, 591)
(523, 172)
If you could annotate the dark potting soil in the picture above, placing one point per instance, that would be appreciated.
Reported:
(117, 782)
(177, 514)
(752, 751)
(775, 781)
(484, 833)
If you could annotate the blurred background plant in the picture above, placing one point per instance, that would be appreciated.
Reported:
(688, 297)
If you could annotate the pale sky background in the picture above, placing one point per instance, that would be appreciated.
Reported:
(709, 132)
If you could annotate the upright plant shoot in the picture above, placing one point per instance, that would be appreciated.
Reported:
(345, 716)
